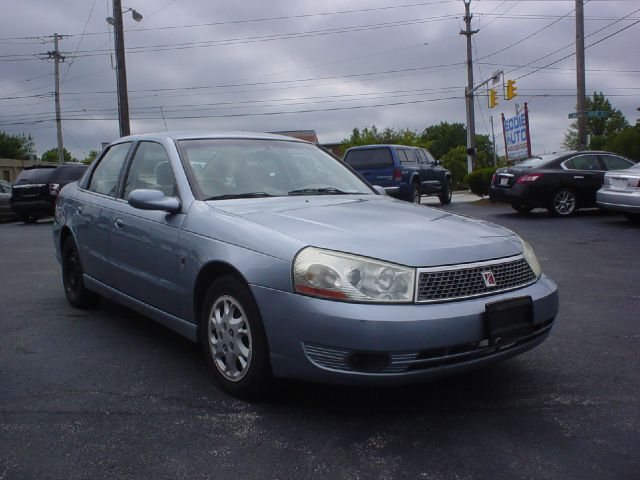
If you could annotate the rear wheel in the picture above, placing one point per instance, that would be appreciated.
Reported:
(521, 208)
(563, 203)
(415, 192)
(29, 219)
(234, 341)
(72, 278)
(445, 196)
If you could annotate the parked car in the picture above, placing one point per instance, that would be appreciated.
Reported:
(621, 191)
(283, 263)
(35, 190)
(404, 172)
(561, 182)
(5, 209)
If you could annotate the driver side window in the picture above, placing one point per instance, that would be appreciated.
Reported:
(150, 169)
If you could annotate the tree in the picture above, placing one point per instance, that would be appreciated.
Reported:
(371, 135)
(15, 146)
(455, 160)
(93, 154)
(443, 137)
(601, 129)
(52, 156)
(626, 143)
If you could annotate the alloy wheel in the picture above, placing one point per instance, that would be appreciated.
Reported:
(564, 202)
(230, 338)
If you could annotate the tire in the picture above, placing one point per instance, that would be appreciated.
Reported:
(415, 193)
(233, 340)
(563, 203)
(29, 219)
(77, 295)
(521, 208)
(445, 196)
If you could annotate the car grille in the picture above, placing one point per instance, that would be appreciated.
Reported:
(459, 282)
(334, 358)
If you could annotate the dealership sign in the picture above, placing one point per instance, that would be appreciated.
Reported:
(516, 135)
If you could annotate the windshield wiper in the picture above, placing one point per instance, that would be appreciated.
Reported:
(321, 191)
(240, 195)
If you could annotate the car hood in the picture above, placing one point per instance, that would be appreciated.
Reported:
(378, 227)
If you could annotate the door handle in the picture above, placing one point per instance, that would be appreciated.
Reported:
(578, 177)
(119, 223)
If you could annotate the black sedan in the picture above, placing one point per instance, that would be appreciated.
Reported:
(560, 182)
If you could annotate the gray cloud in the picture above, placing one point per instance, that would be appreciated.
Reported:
(90, 117)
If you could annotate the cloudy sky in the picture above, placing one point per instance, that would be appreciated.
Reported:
(328, 66)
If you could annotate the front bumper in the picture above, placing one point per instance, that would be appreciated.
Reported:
(619, 200)
(318, 340)
(39, 207)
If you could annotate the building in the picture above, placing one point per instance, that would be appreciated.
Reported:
(10, 168)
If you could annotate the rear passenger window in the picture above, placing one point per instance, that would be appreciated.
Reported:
(375, 158)
(615, 163)
(68, 173)
(583, 162)
(105, 177)
(407, 156)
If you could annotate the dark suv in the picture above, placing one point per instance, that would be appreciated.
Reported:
(35, 190)
(404, 172)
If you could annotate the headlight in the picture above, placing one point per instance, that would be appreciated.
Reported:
(531, 258)
(340, 276)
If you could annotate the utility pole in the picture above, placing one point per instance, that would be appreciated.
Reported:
(468, 92)
(493, 134)
(121, 69)
(57, 58)
(581, 102)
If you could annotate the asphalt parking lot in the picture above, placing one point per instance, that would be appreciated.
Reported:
(109, 394)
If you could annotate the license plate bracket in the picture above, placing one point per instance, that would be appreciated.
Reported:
(507, 320)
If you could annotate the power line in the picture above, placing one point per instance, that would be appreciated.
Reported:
(79, 41)
(587, 46)
(528, 36)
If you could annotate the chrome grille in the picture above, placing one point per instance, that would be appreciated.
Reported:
(440, 284)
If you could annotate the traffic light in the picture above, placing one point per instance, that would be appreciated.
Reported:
(511, 90)
(493, 98)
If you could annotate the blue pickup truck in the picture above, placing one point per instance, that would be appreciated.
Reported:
(404, 172)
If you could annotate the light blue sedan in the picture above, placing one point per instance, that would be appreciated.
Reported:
(283, 263)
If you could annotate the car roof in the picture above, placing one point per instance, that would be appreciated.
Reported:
(208, 134)
(382, 145)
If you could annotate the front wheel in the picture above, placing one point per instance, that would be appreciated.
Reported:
(445, 196)
(72, 278)
(563, 203)
(234, 341)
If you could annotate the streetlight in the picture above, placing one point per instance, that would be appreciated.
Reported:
(121, 69)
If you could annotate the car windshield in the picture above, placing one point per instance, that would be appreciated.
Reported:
(237, 168)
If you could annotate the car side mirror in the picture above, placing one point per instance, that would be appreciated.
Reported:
(148, 199)
(380, 190)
